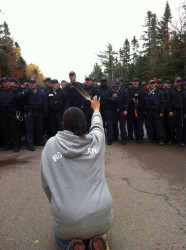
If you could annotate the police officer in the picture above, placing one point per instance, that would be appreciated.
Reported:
(176, 102)
(47, 127)
(92, 91)
(183, 86)
(165, 87)
(159, 84)
(48, 84)
(9, 123)
(154, 105)
(55, 104)
(105, 92)
(63, 85)
(73, 98)
(135, 112)
(35, 102)
(144, 86)
(13, 82)
(119, 111)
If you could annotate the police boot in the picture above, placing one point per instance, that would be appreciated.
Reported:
(161, 142)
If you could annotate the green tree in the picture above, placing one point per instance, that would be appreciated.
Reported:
(134, 57)
(12, 64)
(135, 50)
(108, 60)
(164, 31)
(97, 71)
(150, 46)
(124, 54)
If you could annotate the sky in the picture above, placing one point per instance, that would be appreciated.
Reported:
(64, 35)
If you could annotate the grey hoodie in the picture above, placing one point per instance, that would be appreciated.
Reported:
(73, 178)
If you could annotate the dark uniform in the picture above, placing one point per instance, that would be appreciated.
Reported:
(9, 122)
(35, 106)
(154, 104)
(55, 104)
(47, 127)
(164, 91)
(1, 132)
(176, 101)
(105, 92)
(135, 114)
(119, 105)
(73, 98)
(92, 91)
(184, 116)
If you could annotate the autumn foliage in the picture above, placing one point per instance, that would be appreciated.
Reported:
(12, 63)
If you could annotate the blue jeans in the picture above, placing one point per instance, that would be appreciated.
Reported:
(63, 243)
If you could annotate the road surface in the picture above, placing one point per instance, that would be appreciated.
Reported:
(147, 183)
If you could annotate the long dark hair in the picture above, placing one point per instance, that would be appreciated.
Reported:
(74, 120)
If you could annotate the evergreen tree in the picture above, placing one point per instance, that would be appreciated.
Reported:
(6, 32)
(134, 57)
(97, 71)
(12, 64)
(164, 30)
(135, 50)
(124, 54)
(150, 46)
(108, 61)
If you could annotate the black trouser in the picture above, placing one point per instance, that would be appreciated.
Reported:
(166, 127)
(184, 130)
(119, 119)
(1, 133)
(176, 126)
(9, 125)
(34, 128)
(154, 125)
(107, 123)
(55, 121)
(135, 124)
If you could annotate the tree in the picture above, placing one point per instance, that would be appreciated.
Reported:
(4, 70)
(97, 71)
(124, 54)
(150, 45)
(135, 50)
(6, 32)
(164, 30)
(33, 70)
(12, 63)
(108, 61)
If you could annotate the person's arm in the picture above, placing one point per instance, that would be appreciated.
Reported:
(96, 122)
(95, 104)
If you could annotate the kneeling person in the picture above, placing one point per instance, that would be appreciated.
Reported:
(73, 178)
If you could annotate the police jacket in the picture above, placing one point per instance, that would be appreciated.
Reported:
(47, 89)
(105, 93)
(35, 100)
(176, 100)
(73, 98)
(154, 100)
(8, 99)
(55, 100)
(165, 93)
(121, 102)
(92, 91)
(136, 94)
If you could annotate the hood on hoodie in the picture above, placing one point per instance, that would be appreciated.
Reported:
(71, 145)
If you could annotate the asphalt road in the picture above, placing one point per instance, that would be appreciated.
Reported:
(147, 183)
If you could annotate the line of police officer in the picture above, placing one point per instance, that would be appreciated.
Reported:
(34, 111)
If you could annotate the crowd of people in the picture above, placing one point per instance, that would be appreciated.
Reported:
(156, 109)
